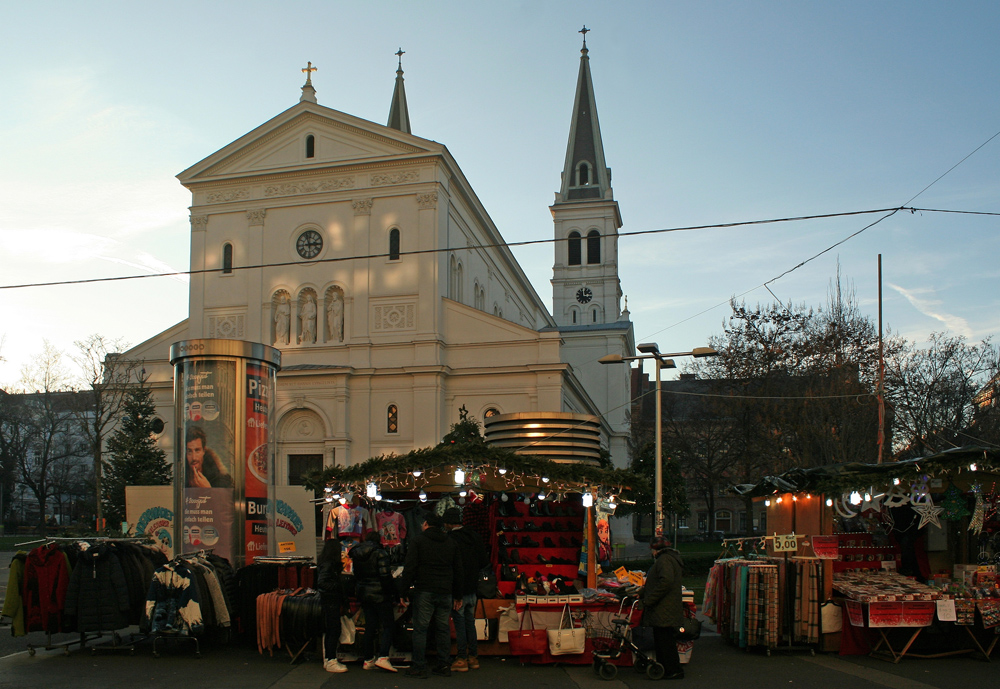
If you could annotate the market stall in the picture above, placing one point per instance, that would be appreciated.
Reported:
(908, 551)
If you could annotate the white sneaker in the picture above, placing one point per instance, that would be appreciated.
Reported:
(334, 666)
(384, 663)
(368, 665)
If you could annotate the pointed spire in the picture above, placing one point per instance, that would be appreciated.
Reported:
(585, 174)
(399, 116)
(308, 92)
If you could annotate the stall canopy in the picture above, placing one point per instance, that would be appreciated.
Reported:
(483, 468)
(838, 478)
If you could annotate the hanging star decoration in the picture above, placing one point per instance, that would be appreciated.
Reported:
(954, 504)
(979, 512)
(928, 513)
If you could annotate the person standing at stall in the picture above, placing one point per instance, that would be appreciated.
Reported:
(473, 553)
(373, 578)
(434, 570)
(329, 567)
(662, 606)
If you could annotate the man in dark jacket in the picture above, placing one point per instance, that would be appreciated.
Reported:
(434, 569)
(662, 606)
(376, 593)
(474, 558)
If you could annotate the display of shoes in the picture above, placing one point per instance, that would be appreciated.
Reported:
(528, 542)
(548, 542)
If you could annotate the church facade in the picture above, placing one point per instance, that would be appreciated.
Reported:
(363, 254)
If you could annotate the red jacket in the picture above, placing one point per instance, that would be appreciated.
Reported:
(46, 576)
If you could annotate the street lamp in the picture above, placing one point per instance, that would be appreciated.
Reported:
(651, 350)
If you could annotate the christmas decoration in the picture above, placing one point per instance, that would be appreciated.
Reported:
(954, 504)
(928, 513)
(979, 512)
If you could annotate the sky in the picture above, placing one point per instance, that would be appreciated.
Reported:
(711, 113)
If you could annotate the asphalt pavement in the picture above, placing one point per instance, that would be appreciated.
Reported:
(714, 663)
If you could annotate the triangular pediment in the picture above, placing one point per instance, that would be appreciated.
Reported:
(279, 145)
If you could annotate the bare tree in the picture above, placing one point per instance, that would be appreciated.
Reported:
(107, 376)
(933, 392)
(44, 415)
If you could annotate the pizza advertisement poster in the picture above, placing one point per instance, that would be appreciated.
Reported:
(257, 460)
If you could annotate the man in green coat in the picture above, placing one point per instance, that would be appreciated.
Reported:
(662, 608)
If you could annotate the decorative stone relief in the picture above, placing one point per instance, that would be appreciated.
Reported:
(426, 201)
(395, 317)
(228, 327)
(382, 179)
(256, 216)
(316, 186)
(362, 206)
(241, 194)
(199, 222)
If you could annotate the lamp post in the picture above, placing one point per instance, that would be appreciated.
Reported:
(651, 350)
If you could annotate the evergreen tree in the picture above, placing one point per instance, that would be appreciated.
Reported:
(135, 458)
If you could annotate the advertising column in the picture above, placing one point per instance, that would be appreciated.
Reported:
(223, 491)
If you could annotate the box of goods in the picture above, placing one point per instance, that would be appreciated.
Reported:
(963, 574)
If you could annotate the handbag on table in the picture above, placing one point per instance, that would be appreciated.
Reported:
(527, 642)
(486, 629)
(567, 640)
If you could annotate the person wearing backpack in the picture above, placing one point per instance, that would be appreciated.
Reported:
(662, 607)
(375, 593)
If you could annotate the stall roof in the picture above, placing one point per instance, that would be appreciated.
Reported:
(854, 475)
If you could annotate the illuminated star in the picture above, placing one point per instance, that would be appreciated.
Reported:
(928, 514)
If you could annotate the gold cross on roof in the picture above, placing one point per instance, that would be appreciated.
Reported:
(309, 69)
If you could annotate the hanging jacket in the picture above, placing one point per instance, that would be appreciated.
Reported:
(172, 605)
(97, 593)
(13, 603)
(46, 576)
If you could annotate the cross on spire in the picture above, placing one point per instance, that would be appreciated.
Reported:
(309, 69)
(584, 31)
(399, 54)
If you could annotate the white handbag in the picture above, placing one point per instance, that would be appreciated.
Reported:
(567, 641)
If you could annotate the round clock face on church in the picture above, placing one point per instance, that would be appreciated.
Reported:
(309, 244)
(583, 295)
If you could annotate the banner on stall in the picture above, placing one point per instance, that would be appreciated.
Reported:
(149, 511)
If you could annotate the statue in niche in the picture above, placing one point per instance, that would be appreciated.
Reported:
(282, 320)
(335, 317)
(307, 321)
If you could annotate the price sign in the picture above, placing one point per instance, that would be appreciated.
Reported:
(621, 573)
(286, 547)
(786, 543)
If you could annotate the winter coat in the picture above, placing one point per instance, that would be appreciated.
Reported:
(172, 604)
(474, 557)
(433, 564)
(46, 576)
(13, 604)
(97, 593)
(661, 596)
(328, 583)
(372, 574)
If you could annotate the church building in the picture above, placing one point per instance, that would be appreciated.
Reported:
(364, 255)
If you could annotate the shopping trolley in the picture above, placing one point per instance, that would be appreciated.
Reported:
(609, 644)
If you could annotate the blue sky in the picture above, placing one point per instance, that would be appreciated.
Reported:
(711, 112)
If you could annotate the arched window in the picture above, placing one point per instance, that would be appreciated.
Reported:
(460, 294)
(574, 316)
(593, 247)
(595, 315)
(574, 248)
(310, 146)
(227, 258)
(394, 244)
(491, 412)
(583, 175)
(392, 419)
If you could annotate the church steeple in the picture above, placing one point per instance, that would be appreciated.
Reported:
(586, 290)
(399, 116)
(585, 174)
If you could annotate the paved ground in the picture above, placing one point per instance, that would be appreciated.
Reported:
(714, 663)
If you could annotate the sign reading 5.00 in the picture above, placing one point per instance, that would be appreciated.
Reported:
(786, 543)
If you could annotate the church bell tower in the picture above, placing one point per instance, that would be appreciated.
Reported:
(586, 289)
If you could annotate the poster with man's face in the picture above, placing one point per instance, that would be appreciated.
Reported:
(209, 417)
